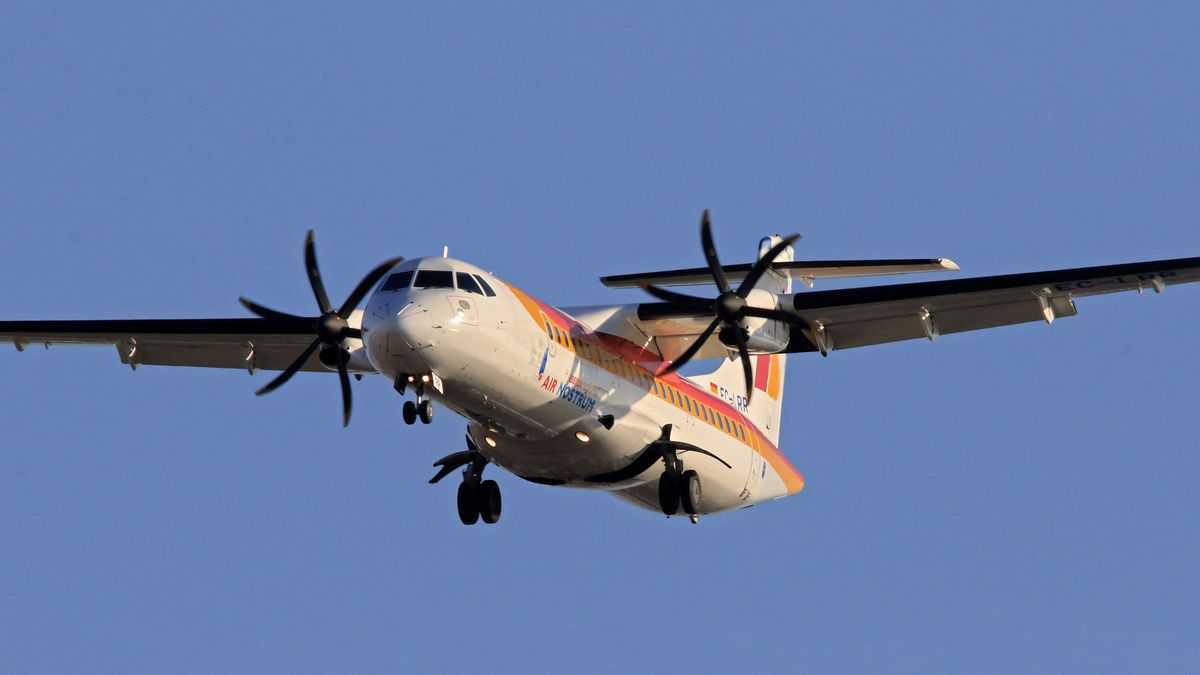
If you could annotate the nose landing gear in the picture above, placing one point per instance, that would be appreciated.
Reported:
(477, 498)
(422, 409)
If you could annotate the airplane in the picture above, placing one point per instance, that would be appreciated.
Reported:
(592, 397)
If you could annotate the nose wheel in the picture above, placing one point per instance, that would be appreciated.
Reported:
(421, 410)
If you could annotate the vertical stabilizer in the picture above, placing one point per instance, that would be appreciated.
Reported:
(728, 381)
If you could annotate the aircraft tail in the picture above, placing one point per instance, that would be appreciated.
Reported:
(766, 405)
(729, 382)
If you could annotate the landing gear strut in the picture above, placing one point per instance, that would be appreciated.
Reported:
(477, 498)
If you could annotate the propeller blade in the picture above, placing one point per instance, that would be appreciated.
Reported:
(352, 333)
(368, 282)
(692, 349)
(266, 312)
(710, 253)
(314, 274)
(291, 370)
(747, 367)
(347, 396)
(687, 302)
(451, 462)
(763, 264)
(688, 447)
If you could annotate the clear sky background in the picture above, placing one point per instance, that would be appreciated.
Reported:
(1019, 500)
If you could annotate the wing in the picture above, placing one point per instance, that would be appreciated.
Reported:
(251, 344)
(858, 317)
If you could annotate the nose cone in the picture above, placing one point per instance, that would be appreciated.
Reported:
(415, 330)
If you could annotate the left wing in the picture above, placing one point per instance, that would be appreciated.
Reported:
(250, 344)
(823, 321)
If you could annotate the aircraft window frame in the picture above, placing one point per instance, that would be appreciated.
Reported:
(487, 288)
(403, 280)
(473, 287)
(427, 273)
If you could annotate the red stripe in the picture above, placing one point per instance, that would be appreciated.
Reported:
(762, 372)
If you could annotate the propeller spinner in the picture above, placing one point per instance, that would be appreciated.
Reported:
(729, 308)
(331, 327)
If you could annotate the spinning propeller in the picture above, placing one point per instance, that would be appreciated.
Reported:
(330, 327)
(729, 308)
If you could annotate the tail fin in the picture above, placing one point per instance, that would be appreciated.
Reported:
(729, 382)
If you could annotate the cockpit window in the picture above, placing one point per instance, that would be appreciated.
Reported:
(398, 281)
(487, 290)
(434, 279)
(467, 283)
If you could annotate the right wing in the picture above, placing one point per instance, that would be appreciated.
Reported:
(249, 344)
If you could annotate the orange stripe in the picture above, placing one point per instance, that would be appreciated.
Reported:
(632, 355)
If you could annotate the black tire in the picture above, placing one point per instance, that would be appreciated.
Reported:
(689, 492)
(488, 500)
(425, 411)
(410, 412)
(468, 505)
(668, 493)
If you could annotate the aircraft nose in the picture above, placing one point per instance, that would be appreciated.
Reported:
(428, 322)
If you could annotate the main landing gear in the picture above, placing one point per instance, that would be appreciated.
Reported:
(679, 489)
(478, 499)
(422, 409)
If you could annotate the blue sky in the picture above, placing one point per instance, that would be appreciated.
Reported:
(1014, 500)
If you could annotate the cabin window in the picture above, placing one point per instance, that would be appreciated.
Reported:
(434, 279)
(467, 283)
(487, 290)
(398, 281)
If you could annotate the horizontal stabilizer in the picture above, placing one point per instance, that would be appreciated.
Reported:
(805, 270)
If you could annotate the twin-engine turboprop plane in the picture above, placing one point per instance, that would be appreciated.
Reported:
(590, 397)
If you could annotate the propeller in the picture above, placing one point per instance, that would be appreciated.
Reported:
(460, 459)
(729, 308)
(331, 327)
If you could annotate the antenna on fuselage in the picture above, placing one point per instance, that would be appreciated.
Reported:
(445, 251)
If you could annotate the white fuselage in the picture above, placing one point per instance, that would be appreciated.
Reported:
(536, 385)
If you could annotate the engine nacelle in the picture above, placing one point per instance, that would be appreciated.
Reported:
(767, 336)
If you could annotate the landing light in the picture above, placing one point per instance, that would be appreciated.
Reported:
(490, 441)
(425, 379)
(582, 436)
